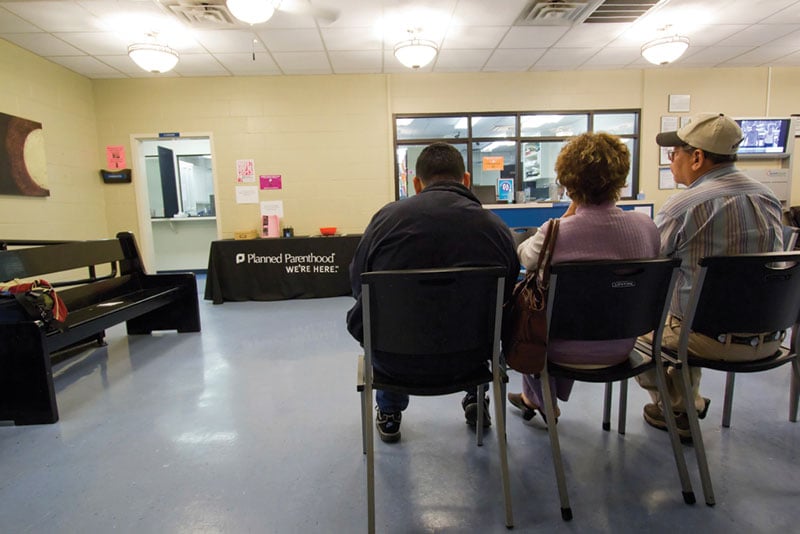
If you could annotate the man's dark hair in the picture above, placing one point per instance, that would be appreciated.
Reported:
(440, 162)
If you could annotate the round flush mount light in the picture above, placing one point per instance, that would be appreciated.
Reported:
(665, 50)
(153, 57)
(415, 53)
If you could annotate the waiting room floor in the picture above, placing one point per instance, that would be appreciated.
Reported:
(253, 426)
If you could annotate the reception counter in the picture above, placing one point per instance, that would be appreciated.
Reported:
(535, 214)
(280, 268)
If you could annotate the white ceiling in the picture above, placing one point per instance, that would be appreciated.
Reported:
(91, 37)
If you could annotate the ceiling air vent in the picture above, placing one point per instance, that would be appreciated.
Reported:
(208, 14)
(625, 11)
(556, 12)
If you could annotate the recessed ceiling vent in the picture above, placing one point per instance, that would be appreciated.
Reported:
(624, 11)
(207, 14)
(556, 12)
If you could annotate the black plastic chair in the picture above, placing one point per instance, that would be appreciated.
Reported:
(429, 316)
(607, 300)
(521, 233)
(730, 294)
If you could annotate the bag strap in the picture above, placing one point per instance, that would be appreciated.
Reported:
(546, 255)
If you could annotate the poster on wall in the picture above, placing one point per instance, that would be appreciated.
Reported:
(115, 157)
(23, 167)
(245, 171)
(270, 181)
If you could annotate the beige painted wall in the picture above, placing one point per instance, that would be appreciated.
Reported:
(63, 102)
(328, 136)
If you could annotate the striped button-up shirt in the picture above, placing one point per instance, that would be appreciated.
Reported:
(723, 212)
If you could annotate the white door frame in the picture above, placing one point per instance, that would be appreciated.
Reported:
(145, 230)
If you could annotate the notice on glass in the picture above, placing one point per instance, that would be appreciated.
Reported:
(272, 207)
(246, 194)
(245, 171)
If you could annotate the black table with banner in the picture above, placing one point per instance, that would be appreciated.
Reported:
(280, 268)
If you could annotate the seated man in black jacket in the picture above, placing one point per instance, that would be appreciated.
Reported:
(443, 225)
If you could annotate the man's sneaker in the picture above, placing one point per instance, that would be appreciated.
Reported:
(654, 416)
(388, 425)
(470, 405)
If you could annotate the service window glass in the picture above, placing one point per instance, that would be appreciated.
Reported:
(539, 168)
(407, 156)
(491, 161)
(494, 127)
(547, 125)
(616, 123)
(431, 128)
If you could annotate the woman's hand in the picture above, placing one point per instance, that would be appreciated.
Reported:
(570, 210)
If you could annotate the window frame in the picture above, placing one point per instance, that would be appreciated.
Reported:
(468, 140)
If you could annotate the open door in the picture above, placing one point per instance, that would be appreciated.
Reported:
(169, 185)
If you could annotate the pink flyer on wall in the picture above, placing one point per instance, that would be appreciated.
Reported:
(245, 171)
(270, 181)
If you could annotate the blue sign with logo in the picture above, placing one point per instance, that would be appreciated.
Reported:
(505, 189)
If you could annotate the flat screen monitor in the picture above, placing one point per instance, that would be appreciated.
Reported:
(487, 194)
(765, 137)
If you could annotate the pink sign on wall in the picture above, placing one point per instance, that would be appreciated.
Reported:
(115, 157)
(270, 181)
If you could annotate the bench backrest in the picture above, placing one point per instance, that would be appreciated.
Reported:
(120, 254)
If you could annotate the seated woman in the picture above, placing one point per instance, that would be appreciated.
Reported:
(593, 168)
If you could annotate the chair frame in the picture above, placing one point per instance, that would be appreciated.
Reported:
(653, 314)
(788, 303)
(366, 382)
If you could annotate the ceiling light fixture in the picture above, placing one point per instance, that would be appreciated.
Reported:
(251, 11)
(665, 50)
(415, 52)
(153, 56)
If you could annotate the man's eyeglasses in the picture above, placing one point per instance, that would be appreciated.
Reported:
(685, 148)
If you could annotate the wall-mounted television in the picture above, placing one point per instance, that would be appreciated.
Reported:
(766, 137)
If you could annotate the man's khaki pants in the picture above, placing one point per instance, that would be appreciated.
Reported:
(701, 346)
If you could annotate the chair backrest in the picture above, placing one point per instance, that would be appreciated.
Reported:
(430, 312)
(521, 233)
(790, 234)
(747, 293)
(605, 300)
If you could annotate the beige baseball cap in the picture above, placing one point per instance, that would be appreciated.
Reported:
(712, 132)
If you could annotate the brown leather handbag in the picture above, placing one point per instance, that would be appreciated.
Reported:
(524, 333)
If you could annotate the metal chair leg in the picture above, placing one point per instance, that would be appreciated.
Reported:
(607, 406)
(794, 390)
(367, 410)
(479, 423)
(623, 406)
(672, 429)
(555, 448)
(726, 410)
(697, 437)
(500, 421)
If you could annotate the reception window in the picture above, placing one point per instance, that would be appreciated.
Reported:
(517, 148)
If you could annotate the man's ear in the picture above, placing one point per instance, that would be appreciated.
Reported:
(418, 185)
(466, 180)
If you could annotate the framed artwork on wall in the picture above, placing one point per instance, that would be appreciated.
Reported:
(23, 167)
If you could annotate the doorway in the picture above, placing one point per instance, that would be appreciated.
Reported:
(176, 200)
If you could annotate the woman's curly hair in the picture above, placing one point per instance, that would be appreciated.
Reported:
(593, 168)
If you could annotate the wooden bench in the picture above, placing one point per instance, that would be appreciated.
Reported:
(111, 287)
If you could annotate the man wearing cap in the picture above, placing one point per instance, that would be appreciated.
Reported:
(722, 212)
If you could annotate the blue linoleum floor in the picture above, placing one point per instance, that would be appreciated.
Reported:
(253, 426)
